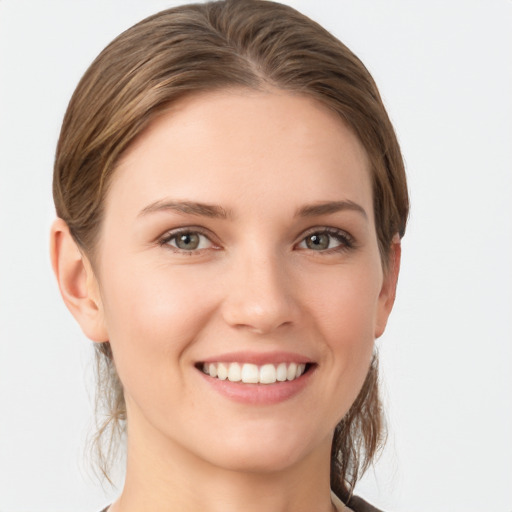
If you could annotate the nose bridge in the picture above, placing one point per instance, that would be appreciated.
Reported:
(260, 294)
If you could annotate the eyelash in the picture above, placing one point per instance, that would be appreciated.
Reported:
(175, 234)
(346, 241)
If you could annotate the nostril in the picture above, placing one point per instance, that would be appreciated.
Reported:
(260, 306)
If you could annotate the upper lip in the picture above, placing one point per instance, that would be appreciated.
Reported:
(258, 358)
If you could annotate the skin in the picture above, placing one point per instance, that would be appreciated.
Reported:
(253, 286)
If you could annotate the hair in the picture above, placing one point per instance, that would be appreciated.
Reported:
(194, 48)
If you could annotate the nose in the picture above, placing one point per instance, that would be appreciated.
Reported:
(259, 295)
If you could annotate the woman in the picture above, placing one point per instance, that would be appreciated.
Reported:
(230, 198)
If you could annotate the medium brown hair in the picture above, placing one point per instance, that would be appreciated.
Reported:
(218, 45)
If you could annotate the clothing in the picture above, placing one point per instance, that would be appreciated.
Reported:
(357, 505)
(340, 506)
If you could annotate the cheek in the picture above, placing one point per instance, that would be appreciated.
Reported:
(346, 304)
(152, 317)
(346, 314)
(156, 299)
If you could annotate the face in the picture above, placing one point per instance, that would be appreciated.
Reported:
(240, 279)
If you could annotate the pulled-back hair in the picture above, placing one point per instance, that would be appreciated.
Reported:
(203, 47)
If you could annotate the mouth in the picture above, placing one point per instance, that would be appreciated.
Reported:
(248, 373)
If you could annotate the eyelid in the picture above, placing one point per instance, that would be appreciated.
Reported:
(347, 239)
(163, 240)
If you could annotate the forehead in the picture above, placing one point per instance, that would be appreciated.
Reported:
(268, 143)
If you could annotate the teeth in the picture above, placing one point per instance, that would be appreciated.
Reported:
(291, 372)
(267, 374)
(222, 371)
(250, 374)
(281, 372)
(234, 372)
(253, 374)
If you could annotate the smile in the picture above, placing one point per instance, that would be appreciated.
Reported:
(249, 373)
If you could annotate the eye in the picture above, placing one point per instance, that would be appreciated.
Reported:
(187, 240)
(326, 240)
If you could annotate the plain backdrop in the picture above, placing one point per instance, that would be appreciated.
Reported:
(444, 69)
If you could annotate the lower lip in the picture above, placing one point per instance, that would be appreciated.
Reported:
(259, 394)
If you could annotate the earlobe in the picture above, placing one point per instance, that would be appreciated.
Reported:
(388, 290)
(77, 283)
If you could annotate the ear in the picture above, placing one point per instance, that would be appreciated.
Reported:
(77, 282)
(388, 291)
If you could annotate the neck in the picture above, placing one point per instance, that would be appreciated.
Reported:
(163, 477)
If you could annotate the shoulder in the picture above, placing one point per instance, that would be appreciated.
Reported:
(356, 504)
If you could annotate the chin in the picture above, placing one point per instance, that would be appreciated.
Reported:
(270, 453)
(258, 461)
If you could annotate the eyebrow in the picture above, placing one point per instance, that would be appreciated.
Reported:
(189, 207)
(326, 208)
(217, 212)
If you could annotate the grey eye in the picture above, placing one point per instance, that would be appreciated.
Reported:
(187, 241)
(318, 241)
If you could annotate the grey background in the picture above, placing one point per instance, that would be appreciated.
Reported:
(445, 73)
